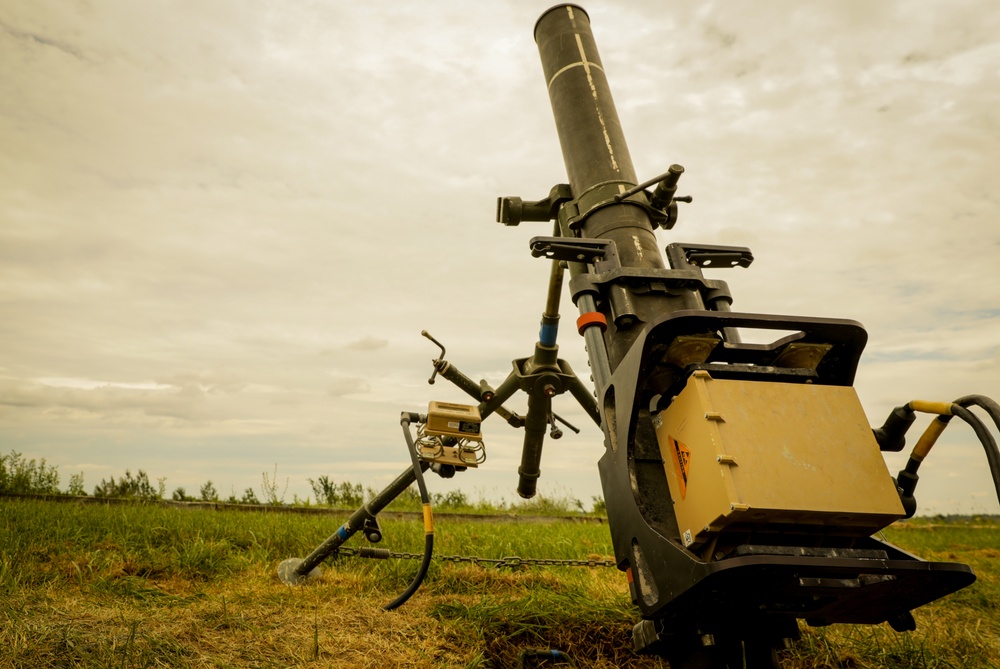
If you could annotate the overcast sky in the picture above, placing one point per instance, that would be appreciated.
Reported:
(223, 225)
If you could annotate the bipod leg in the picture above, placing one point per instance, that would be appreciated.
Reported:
(297, 570)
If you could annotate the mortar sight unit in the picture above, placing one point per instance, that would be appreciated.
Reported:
(743, 481)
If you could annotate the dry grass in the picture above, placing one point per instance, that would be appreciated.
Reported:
(170, 588)
(248, 621)
(253, 620)
(148, 587)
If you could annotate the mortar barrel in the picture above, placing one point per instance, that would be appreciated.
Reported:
(590, 134)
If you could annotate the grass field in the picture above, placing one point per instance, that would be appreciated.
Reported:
(147, 586)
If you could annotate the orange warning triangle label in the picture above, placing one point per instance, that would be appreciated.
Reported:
(682, 463)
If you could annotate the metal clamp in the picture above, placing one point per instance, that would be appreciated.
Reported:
(576, 211)
(602, 253)
(681, 255)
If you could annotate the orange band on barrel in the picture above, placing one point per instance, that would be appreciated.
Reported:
(591, 318)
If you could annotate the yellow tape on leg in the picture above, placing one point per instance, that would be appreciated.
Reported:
(428, 520)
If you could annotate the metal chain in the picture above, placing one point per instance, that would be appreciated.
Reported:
(510, 561)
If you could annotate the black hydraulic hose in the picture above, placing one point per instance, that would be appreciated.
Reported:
(907, 478)
(983, 402)
(986, 439)
(992, 408)
(425, 500)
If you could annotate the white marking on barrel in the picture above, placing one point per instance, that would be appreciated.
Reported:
(570, 67)
(597, 107)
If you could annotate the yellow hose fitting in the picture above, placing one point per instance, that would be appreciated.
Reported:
(428, 520)
(923, 406)
(929, 437)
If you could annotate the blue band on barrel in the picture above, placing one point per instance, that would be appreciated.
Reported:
(547, 335)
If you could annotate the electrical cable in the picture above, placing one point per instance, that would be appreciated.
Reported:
(425, 500)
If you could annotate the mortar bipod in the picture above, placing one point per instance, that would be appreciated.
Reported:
(295, 571)
(449, 437)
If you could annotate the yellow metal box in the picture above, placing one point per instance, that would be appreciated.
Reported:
(758, 453)
(454, 420)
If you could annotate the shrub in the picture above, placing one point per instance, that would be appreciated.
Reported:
(342, 494)
(269, 488)
(129, 486)
(18, 475)
(454, 499)
(600, 506)
(76, 486)
(208, 493)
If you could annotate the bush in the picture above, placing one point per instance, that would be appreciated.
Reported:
(544, 505)
(137, 486)
(600, 506)
(269, 488)
(76, 486)
(341, 494)
(454, 499)
(18, 475)
(208, 493)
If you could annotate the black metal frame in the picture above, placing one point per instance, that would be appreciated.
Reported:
(719, 609)
(714, 610)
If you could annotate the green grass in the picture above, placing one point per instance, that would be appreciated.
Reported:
(150, 586)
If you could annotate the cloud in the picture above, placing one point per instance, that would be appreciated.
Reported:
(368, 343)
(343, 386)
(108, 402)
(221, 232)
(41, 40)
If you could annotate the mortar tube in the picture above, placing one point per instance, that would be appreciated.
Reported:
(595, 153)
